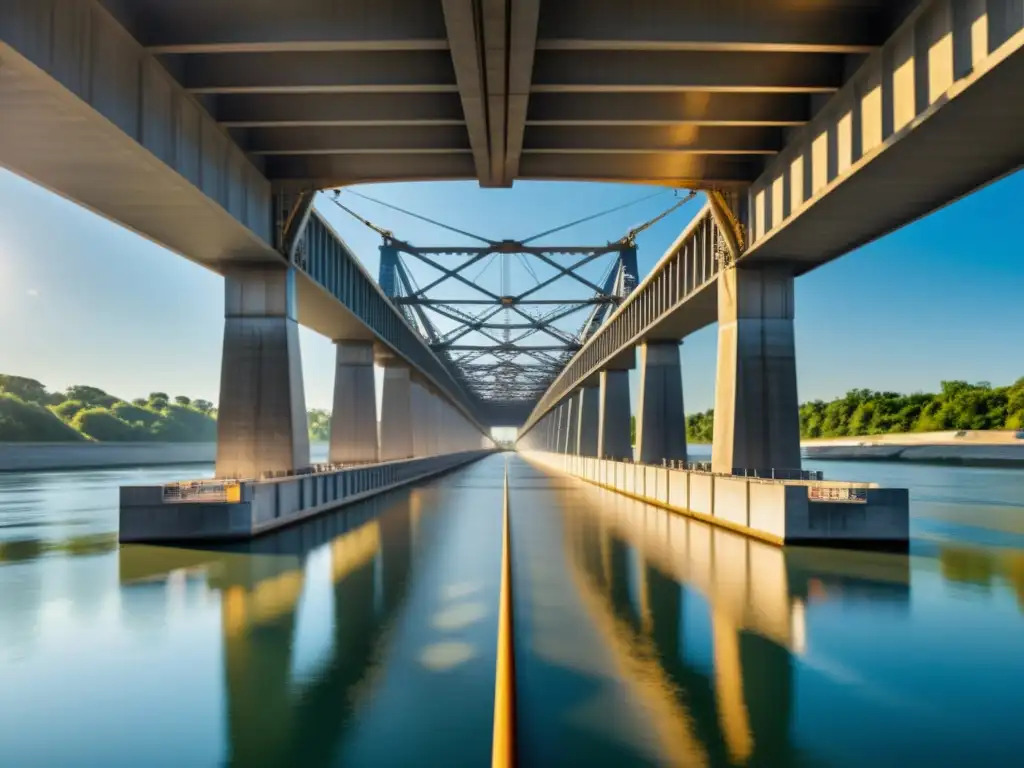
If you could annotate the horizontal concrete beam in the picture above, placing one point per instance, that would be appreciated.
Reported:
(668, 169)
(723, 25)
(337, 170)
(320, 72)
(355, 109)
(926, 120)
(199, 26)
(652, 139)
(357, 140)
(695, 107)
(90, 115)
(639, 72)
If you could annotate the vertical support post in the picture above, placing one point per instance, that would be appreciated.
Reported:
(569, 443)
(661, 419)
(613, 416)
(387, 272)
(261, 425)
(757, 413)
(587, 428)
(396, 412)
(354, 419)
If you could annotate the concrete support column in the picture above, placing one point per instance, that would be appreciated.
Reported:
(569, 441)
(396, 412)
(354, 418)
(261, 423)
(586, 429)
(417, 413)
(757, 417)
(613, 416)
(660, 419)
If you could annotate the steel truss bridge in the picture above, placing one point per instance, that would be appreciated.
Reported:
(503, 343)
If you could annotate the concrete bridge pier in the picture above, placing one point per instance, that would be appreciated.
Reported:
(396, 440)
(586, 422)
(261, 425)
(661, 418)
(757, 413)
(354, 420)
(571, 423)
(420, 419)
(613, 411)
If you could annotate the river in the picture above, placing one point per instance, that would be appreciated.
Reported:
(367, 636)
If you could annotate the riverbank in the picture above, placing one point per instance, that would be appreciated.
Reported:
(30, 457)
(983, 448)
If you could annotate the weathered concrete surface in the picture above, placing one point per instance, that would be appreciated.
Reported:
(850, 515)
(31, 457)
(145, 516)
(396, 412)
(757, 412)
(587, 425)
(661, 419)
(613, 440)
(261, 422)
(354, 417)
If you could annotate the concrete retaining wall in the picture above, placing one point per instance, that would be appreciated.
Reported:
(779, 511)
(264, 505)
(27, 457)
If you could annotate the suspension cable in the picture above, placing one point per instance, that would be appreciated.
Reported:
(386, 234)
(631, 235)
(593, 216)
(417, 216)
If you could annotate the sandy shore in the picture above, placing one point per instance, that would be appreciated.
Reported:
(972, 447)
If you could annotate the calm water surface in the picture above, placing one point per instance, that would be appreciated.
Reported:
(367, 637)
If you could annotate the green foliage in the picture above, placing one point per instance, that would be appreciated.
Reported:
(26, 390)
(67, 410)
(700, 427)
(136, 415)
(182, 400)
(203, 406)
(31, 422)
(957, 405)
(319, 425)
(100, 424)
(91, 396)
(181, 424)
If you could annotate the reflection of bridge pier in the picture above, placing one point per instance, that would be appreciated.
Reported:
(261, 585)
(740, 713)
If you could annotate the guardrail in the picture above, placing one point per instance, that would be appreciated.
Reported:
(762, 474)
(202, 490)
(828, 493)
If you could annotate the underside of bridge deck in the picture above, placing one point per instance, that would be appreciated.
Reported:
(693, 93)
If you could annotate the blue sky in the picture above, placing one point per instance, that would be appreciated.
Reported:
(83, 300)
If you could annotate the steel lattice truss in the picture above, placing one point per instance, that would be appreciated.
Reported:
(507, 346)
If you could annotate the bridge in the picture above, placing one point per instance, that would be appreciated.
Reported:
(209, 127)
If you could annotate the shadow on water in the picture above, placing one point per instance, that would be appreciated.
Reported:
(260, 584)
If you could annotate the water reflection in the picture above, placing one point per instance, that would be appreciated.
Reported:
(635, 568)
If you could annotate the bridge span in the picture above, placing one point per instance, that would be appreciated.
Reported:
(208, 127)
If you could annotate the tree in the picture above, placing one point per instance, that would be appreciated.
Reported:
(91, 396)
(135, 415)
(67, 410)
(26, 390)
(158, 400)
(203, 406)
(100, 424)
(319, 425)
(182, 400)
(31, 422)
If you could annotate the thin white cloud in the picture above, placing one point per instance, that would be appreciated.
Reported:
(32, 292)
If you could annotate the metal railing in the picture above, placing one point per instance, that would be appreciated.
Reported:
(828, 493)
(761, 474)
(202, 490)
